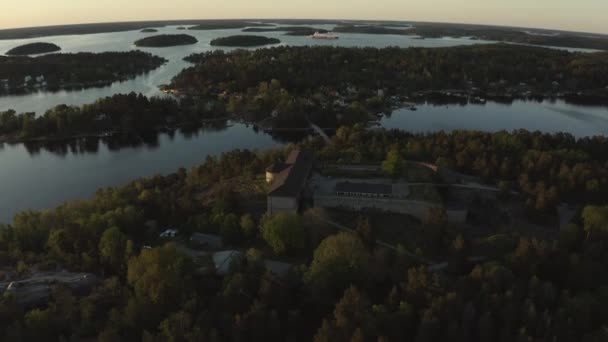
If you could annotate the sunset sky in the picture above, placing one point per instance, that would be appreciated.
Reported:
(580, 15)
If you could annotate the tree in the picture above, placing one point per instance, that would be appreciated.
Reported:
(159, 275)
(595, 219)
(112, 247)
(248, 228)
(284, 232)
(394, 164)
(338, 261)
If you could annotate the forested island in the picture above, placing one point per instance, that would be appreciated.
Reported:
(33, 49)
(127, 114)
(491, 33)
(228, 24)
(244, 41)
(148, 30)
(370, 29)
(53, 72)
(289, 30)
(380, 277)
(340, 86)
(166, 40)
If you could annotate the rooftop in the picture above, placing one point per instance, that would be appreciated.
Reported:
(365, 188)
(290, 181)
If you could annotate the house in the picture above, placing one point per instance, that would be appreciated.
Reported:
(287, 181)
(169, 233)
(209, 242)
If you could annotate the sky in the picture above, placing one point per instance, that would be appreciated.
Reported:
(577, 15)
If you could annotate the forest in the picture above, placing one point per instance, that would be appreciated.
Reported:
(341, 86)
(33, 49)
(165, 40)
(73, 70)
(244, 41)
(343, 286)
(122, 114)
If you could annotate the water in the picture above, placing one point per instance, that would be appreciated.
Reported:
(46, 179)
(38, 179)
(546, 116)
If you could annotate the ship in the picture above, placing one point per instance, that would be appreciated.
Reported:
(319, 35)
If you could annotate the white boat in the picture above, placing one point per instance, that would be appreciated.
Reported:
(319, 35)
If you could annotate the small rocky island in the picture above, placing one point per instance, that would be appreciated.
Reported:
(149, 30)
(165, 40)
(244, 41)
(33, 49)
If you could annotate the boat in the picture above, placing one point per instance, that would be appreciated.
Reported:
(319, 35)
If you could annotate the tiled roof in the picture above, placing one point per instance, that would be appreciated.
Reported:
(290, 182)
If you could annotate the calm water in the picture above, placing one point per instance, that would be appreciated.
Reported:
(45, 179)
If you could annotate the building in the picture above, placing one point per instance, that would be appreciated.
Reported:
(287, 181)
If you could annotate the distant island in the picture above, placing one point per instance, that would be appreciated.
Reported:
(22, 74)
(290, 30)
(149, 30)
(33, 49)
(244, 41)
(228, 24)
(165, 40)
(369, 29)
(490, 33)
(181, 28)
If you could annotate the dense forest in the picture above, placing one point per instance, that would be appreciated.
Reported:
(341, 86)
(244, 41)
(165, 40)
(33, 49)
(344, 287)
(124, 114)
(61, 71)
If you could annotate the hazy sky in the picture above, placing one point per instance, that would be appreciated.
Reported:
(582, 15)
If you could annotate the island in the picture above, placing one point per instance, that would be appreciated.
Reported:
(33, 49)
(370, 29)
(395, 237)
(148, 30)
(489, 33)
(166, 40)
(335, 86)
(244, 41)
(228, 24)
(290, 30)
(22, 75)
(181, 28)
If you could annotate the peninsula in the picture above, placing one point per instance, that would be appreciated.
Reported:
(244, 41)
(33, 49)
(166, 40)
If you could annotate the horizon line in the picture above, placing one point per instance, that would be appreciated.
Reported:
(302, 19)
